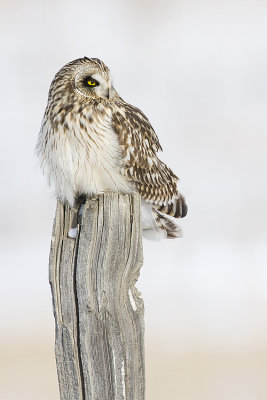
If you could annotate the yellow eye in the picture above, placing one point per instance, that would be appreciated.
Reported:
(91, 82)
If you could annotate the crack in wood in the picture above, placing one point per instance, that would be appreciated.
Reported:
(99, 333)
(77, 313)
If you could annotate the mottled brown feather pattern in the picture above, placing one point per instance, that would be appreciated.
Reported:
(92, 141)
(156, 182)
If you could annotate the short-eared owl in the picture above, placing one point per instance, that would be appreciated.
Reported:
(92, 141)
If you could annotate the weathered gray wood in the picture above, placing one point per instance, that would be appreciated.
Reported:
(99, 314)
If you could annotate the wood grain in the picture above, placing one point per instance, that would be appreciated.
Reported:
(99, 314)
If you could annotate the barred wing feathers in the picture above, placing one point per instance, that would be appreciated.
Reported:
(153, 179)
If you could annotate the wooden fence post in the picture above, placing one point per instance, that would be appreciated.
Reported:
(99, 314)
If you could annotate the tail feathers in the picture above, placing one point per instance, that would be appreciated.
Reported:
(176, 209)
(157, 226)
(172, 230)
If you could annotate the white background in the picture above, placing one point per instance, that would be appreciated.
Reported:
(198, 71)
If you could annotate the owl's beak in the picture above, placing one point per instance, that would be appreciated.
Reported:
(110, 93)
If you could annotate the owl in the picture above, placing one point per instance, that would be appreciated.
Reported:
(91, 141)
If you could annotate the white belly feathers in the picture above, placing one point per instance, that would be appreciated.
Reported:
(83, 156)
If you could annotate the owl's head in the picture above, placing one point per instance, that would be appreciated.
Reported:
(85, 78)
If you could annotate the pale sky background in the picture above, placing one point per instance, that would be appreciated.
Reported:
(197, 69)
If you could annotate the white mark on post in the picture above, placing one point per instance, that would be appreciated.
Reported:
(132, 300)
(123, 379)
(72, 233)
(115, 376)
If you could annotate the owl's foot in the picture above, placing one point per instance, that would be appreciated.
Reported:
(79, 205)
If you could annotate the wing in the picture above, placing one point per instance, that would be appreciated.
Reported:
(153, 179)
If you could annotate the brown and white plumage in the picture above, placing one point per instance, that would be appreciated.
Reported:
(92, 141)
